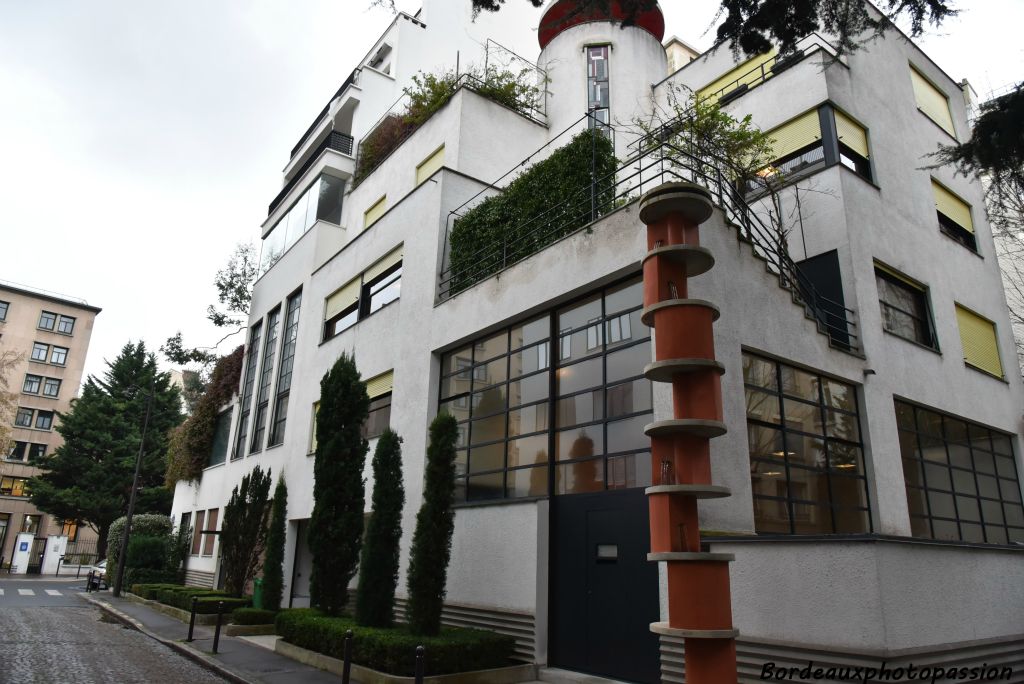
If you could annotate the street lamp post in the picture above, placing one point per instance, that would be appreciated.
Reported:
(122, 558)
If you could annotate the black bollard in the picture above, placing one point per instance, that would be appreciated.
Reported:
(346, 670)
(88, 582)
(419, 664)
(192, 620)
(216, 632)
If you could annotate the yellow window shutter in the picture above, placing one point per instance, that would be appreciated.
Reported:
(373, 214)
(430, 165)
(852, 134)
(746, 73)
(798, 133)
(978, 336)
(384, 264)
(382, 384)
(932, 102)
(342, 299)
(952, 207)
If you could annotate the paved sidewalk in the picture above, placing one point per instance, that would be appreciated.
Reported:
(238, 659)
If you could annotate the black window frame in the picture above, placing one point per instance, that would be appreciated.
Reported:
(36, 346)
(63, 355)
(255, 337)
(855, 162)
(378, 418)
(259, 421)
(378, 285)
(49, 316)
(279, 420)
(4, 307)
(956, 232)
(47, 383)
(932, 473)
(61, 320)
(23, 411)
(44, 416)
(37, 379)
(790, 435)
(17, 451)
(926, 324)
(36, 450)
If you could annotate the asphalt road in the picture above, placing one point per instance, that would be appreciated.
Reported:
(50, 635)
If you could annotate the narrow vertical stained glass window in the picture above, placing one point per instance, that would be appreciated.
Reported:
(597, 86)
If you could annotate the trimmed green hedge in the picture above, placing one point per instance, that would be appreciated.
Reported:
(207, 605)
(149, 591)
(394, 650)
(253, 616)
(147, 576)
(541, 206)
(177, 596)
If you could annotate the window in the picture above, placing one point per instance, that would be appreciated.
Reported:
(51, 387)
(30, 524)
(954, 216)
(373, 214)
(932, 102)
(961, 478)
(47, 320)
(197, 534)
(32, 384)
(597, 86)
(806, 456)
(321, 201)
(211, 526)
(904, 304)
(184, 527)
(377, 287)
(17, 450)
(58, 355)
(797, 144)
(221, 437)
(530, 427)
(379, 417)
(259, 423)
(5, 521)
(44, 420)
(4, 306)
(284, 373)
(39, 351)
(854, 153)
(312, 432)
(429, 166)
(69, 529)
(65, 325)
(23, 418)
(978, 336)
(250, 383)
(36, 451)
(14, 486)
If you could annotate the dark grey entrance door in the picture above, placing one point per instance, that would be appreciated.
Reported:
(604, 591)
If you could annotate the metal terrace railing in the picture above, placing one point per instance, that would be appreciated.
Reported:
(768, 69)
(654, 159)
(336, 141)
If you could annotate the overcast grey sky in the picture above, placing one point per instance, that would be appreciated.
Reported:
(140, 141)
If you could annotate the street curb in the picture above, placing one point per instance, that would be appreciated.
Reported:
(190, 653)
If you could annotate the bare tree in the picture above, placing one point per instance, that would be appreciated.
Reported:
(8, 399)
(1005, 201)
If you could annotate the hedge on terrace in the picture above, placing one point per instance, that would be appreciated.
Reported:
(547, 202)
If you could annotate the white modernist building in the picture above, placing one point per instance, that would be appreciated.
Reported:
(871, 390)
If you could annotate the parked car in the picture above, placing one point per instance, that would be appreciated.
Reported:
(99, 574)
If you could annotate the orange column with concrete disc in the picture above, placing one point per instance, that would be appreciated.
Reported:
(699, 602)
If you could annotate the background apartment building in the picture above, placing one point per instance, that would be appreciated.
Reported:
(870, 395)
(51, 333)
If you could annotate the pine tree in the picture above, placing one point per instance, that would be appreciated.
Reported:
(435, 522)
(243, 534)
(378, 567)
(273, 564)
(336, 525)
(89, 477)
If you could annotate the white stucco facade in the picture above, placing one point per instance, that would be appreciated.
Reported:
(874, 593)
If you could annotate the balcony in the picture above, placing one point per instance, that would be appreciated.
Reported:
(339, 142)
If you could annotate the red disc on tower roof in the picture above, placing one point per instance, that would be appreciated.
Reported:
(561, 15)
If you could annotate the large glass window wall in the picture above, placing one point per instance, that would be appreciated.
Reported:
(321, 201)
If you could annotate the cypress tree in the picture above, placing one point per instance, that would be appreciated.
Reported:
(435, 522)
(336, 525)
(243, 534)
(273, 563)
(378, 567)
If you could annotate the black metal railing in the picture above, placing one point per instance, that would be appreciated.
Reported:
(764, 71)
(340, 142)
(657, 159)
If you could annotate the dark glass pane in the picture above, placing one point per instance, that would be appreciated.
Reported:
(580, 344)
(576, 478)
(1001, 444)
(848, 492)
(908, 444)
(631, 470)
(461, 461)
(1010, 490)
(457, 361)
(580, 376)
(758, 371)
(484, 487)
(628, 434)
(1015, 535)
(528, 482)
(932, 449)
(456, 407)
(625, 328)
(489, 402)
(490, 373)
(771, 516)
(929, 423)
(937, 477)
(526, 420)
(960, 456)
(580, 408)
(1005, 467)
(805, 451)
(845, 459)
(462, 439)
(808, 485)
(460, 490)
(764, 442)
(528, 390)
(912, 473)
(841, 425)
(329, 199)
(488, 429)
(810, 519)
(916, 502)
(386, 291)
(579, 442)
(802, 416)
(956, 430)
(455, 384)
(851, 521)
(629, 397)
(529, 360)
(905, 416)
(625, 296)
(984, 462)
(531, 332)
(995, 534)
(992, 511)
(768, 479)
(963, 482)
(971, 532)
(763, 406)
(493, 346)
(628, 362)
(840, 395)
(1013, 513)
(527, 450)
(579, 315)
(967, 508)
(919, 527)
(941, 504)
(800, 384)
(987, 486)
(490, 457)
